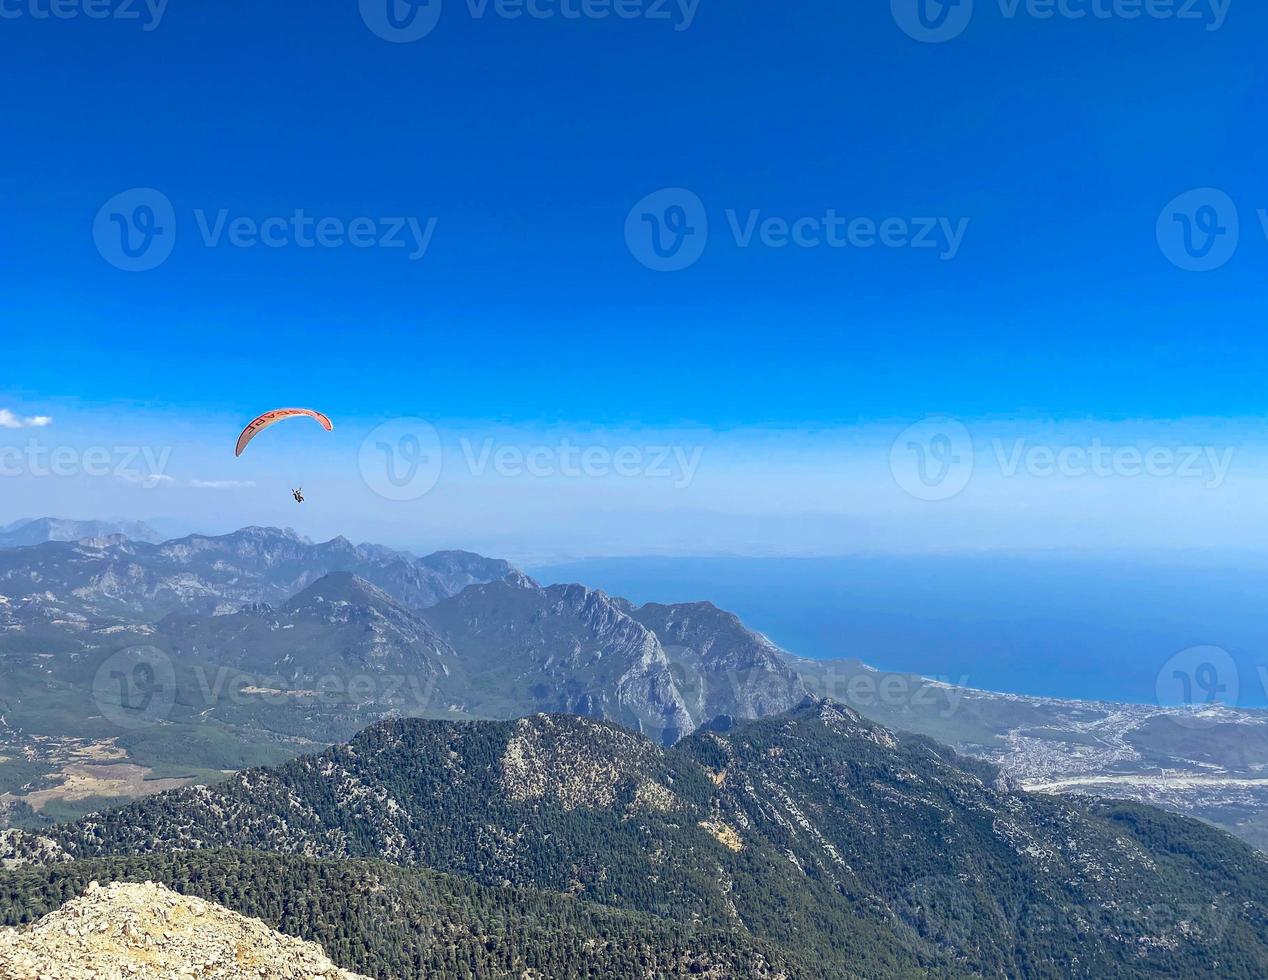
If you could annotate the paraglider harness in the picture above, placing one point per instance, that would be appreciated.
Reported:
(298, 495)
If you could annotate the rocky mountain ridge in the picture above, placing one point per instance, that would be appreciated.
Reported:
(339, 621)
(721, 667)
(116, 580)
(562, 648)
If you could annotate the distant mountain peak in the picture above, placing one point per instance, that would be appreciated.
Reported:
(340, 587)
(826, 709)
(703, 606)
(451, 555)
(517, 579)
(42, 530)
(265, 532)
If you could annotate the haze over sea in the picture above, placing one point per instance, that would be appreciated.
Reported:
(1080, 627)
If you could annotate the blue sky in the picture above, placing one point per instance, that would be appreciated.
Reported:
(1052, 145)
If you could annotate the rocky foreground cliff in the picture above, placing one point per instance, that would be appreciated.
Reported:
(146, 930)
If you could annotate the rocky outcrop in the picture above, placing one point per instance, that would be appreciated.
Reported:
(723, 668)
(564, 648)
(146, 930)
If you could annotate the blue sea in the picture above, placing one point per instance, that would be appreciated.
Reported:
(1111, 628)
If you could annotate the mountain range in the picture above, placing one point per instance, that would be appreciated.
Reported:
(43, 529)
(437, 766)
(267, 645)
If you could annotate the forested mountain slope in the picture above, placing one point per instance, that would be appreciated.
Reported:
(815, 831)
(396, 923)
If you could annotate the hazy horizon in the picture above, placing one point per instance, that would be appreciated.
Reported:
(539, 492)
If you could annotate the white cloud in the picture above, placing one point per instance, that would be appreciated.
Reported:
(10, 421)
(222, 484)
(148, 480)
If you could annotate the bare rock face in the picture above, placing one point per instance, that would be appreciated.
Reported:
(722, 667)
(565, 649)
(146, 930)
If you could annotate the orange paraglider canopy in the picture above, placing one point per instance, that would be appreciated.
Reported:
(277, 415)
